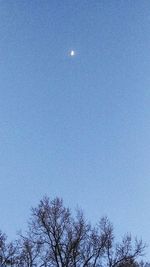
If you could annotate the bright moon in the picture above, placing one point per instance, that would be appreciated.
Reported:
(72, 53)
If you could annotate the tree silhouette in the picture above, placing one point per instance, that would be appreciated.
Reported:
(56, 238)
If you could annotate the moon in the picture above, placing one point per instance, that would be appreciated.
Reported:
(72, 53)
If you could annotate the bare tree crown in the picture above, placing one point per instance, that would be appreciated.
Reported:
(55, 238)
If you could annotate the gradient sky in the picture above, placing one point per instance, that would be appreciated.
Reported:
(75, 127)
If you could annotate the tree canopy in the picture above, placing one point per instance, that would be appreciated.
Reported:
(56, 238)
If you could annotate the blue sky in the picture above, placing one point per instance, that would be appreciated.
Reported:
(75, 127)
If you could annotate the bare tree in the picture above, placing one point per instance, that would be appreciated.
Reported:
(64, 241)
(7, 251)
(56, 238)
(124, 253)
(28, 254)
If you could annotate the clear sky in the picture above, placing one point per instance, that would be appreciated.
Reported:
(75, 127)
